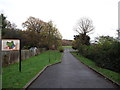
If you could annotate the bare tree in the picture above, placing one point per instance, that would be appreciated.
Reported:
(84, 26)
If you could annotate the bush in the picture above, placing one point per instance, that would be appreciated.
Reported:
(106, 55)
(26, 47)
(61, 49)
(74, 47)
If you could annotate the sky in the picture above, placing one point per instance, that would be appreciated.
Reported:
(65, 14)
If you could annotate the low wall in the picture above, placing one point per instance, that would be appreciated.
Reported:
(11, 57)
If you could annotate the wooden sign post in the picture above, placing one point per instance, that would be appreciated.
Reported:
(12, 45)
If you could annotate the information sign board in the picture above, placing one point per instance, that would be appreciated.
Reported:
(10, 44)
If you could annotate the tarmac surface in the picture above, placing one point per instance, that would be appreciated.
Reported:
(71, 73)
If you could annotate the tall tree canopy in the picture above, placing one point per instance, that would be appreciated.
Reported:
(37, 33)
(83, 28)
(45, 33)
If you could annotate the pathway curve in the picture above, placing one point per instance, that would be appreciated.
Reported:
(70, 74)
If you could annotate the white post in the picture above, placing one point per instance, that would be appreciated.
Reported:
(0, 26)
(118, 21)
(118, 34)
(119, 15)
(0, 53)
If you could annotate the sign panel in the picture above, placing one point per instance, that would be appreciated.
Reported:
(10, 44)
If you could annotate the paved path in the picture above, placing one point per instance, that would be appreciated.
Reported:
(70, 74)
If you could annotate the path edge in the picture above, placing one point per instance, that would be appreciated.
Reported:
(105, 77)
(38, 74)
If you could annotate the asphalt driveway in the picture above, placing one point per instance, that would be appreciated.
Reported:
(70, 74)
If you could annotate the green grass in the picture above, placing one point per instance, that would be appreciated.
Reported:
(67, 46)
(108, 73)
(0, 81)
(12, 78)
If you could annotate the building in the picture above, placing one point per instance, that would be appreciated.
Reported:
(66, 42)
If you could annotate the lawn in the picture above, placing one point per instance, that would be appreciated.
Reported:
(0, 81)
(67, 46)
(12, 78)
(108, 73)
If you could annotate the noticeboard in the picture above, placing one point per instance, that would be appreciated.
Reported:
(10, 44)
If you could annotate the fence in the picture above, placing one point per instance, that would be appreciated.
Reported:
(11, 57)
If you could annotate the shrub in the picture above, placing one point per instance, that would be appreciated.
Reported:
(74, 47)
(61, 49)
(109, 56)
(106, 55)
(26, 47)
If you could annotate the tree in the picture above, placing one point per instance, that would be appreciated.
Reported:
(34, 28)
(85, 26)
(104, 40)
(34, 24)
(9, 30)
(54, 37)
(4, 24)
(44, 34)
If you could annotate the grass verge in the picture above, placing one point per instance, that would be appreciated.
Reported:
(12, 78)
(115, 77)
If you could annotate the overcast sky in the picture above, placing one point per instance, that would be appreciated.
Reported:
(65, 14)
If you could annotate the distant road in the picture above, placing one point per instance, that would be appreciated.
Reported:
(70, 74)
